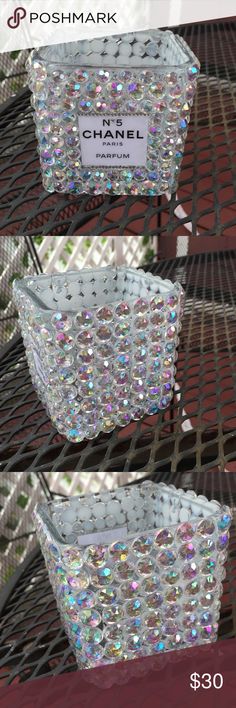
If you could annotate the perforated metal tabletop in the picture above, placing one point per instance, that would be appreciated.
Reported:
(205, 202)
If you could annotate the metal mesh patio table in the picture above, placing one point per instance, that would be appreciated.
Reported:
(205, 201)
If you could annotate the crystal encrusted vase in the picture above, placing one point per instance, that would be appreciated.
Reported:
(112, 113)
(101, 345)
(136, 571)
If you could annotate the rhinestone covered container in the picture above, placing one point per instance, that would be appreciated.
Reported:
(136, 571)
(112, 113)
(101, 345)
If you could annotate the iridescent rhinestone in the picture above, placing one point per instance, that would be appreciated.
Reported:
(133, 607)
(208, 566)
(72, 558)
(192, 588)
(95, 555)
(119, 551)
(145, 566)
(224, 522)
(107, 596)
(112, 615)
(90, 617)
(166, 558)
(122, 361)
(133, 626)
(207, 599)
(154, 601)
(140, 306)
(114, 632)
(208, 631)
(187, 551)
(206, 548)
(130, 589)
(151, 584)
(104, 350)
(223, 541)
(206, 527)
(157, 89)
(191, 604)
(73, 88)
(84, 318)
(86, 355)
(193, 71)
(206, 618)
(135, 90)
(157, 303)
(94, 651)
(86, 598)
(122, 329)
(61, 321)
(210, 582)
(85, 106)
(134, 642)
(104, 576)
(185, 532)
(175, 641)
(54, 551)
(174, 594)
(124, 571)
(75, 628)
(79, 580)
(64, 341)
(159, 647)
(157, 318)
(88, 634)
(152, 619)
(170, 628)
(141, 323)
(114, 648)
(60, 573)
(190, 570)
(104, 314)
(192, 635)
(190, 620)
(93, 89)
(104, 333)
(171, 577)
(142, 545)
(164, 538)
(69, 602)
(115, 88)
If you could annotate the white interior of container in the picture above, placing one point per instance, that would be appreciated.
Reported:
(161, 48)
(92, 288)
(147, 507)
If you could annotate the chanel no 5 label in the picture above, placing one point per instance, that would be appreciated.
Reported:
(107, 141)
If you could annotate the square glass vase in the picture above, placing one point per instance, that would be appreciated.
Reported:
(112, 113)
(136, 571)
(101, 345)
